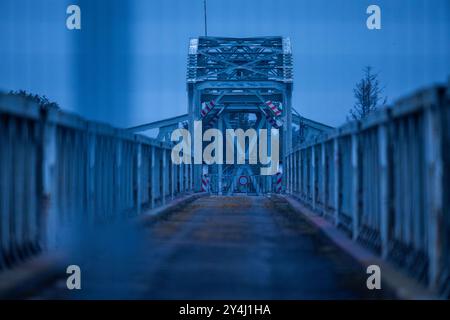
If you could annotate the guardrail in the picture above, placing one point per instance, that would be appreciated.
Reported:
(385, 182)
(56, 167)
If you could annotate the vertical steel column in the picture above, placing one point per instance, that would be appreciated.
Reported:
(153, 178)
(295, 172)
(194, 113)
(287, 132)
(91, 141)
(324, 176)
(164, 172)
(191, 181)
(138, 177)
(300, 177)
(118, 179)
(186, 175)
(288, 173)
(434, 191)
(355, 185)
(313, 177)
(385, 188)
(49, 202)
(337, 184)
(220, 167)
(172, 179)
(180, 177)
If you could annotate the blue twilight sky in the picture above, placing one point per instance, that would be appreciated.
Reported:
(331, 45)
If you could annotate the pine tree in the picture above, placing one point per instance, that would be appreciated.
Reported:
(368, 94)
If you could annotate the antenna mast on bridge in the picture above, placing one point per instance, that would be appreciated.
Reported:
(206, 25)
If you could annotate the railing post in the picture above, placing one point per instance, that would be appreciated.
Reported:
(49, 202)
(385, 190)
(286, 174)
(164, 180)
(313, 177)
(190, 178)
(324, 176)
(295, 189)
(337, 184)
(180, 178)
(186, 180)
(434, 190)
(118, 179)
(90, 179)
(172, 179)
(293, 173)
(153, 177)
(300, 174)
(297, 175)
(138, 177)
(289, 174)
(355, 185)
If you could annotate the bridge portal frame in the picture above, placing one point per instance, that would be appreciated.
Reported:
(239, 75)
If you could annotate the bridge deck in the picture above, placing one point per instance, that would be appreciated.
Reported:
(218, 248)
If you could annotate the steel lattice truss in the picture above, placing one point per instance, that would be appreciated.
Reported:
(233, 80)
(249, 59)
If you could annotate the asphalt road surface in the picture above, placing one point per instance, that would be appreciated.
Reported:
(215, 248)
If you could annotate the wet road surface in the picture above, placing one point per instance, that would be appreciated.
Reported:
(216, 248)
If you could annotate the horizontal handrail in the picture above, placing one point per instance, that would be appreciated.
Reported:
(385, 182)
(58, 169)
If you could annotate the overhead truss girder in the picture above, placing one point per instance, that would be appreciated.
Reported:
(229, 79)
(232, 59)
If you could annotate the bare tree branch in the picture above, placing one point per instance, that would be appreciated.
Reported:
(368, 94)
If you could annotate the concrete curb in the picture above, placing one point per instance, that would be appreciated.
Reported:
(21, 281)
(403, 286)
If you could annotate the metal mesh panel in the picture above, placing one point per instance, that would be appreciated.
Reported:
(19, 220)
(370, 188)
(346, 181)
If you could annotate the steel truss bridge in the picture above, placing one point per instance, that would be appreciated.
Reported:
(381, 183)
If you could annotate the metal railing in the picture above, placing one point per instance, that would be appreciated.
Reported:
(56, 168)
(385, 182)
